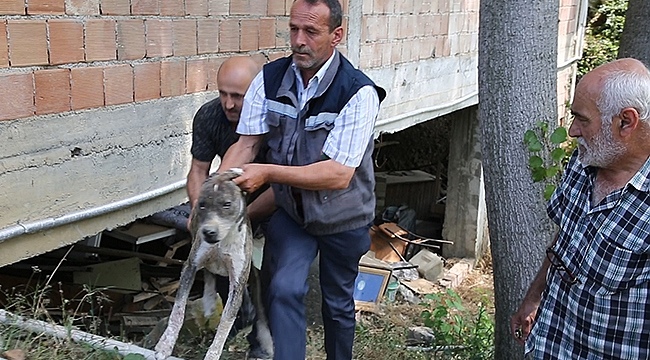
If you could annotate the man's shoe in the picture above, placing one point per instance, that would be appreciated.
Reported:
(256, 354)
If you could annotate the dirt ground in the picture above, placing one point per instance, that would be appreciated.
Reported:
(477, 288)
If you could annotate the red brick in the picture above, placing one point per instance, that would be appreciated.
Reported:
(66, 41)
(208, 35)
(52, 88)
(12, 7)
(444, 24)
(213, 68)
(82, 7)
(229, 35)
(45, 7)
(159, 38)
(385, 6)
(145, 7)
(197, 7)
(4, 46)
(146, 81)
(17, 94)
(240, 7)
(397, 53)
(259, 58)
(87, 87)
(172, 8)
(172, 77)
(27, 42)
(219, 7)
(257, 7)
(276, 7)
(282, 32)
(115, 7)
(101, 43)
(267, 33)
(118, 84)
(274, 55)
(250, 34)
(184, 37)
(197, 75)
(130, 39)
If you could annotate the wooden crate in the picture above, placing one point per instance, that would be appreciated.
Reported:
(415, 188)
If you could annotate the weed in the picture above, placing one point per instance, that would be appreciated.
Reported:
(458, 334)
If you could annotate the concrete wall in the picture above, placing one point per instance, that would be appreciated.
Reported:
(98, 95)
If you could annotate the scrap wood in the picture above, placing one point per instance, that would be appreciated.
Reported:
(420, 286)
(125, 253)
(170, 288)
(152, 303)
(61, 332)
(172, 250)
(143, 296)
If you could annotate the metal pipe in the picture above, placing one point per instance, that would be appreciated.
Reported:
(49, 223)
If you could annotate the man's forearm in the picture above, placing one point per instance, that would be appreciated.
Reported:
(321, 175)
(199, 171)
(241, 152)
(538, 284)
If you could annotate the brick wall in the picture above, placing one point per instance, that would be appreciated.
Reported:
(64, 55)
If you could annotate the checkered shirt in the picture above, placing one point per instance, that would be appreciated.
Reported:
(607, 248)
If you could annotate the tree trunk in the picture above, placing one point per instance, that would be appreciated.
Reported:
(635, 39)
(517, 89)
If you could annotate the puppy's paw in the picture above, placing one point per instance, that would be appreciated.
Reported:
(163, 351)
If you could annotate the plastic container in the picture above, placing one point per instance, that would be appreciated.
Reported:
(391, 289)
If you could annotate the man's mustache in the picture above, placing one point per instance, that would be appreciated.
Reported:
(301, 50)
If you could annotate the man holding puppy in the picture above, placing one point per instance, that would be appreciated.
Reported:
(317, 113)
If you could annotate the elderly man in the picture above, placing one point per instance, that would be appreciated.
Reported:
(590, 299)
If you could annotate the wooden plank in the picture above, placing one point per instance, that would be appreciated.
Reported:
(125, 253)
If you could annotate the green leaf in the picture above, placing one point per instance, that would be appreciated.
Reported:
(538, 174)
(548, 191)
(534, 146)
(558, 154)
(552, 171)
(530, 136)
(535, 162)
(559, 135)
(134, 357)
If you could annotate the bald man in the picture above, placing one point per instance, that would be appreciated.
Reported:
(591, 297)
(215, 122)
(213, 131)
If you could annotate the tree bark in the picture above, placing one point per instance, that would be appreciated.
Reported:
(517, 89)
(635, 39)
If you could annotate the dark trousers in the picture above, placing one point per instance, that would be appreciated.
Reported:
(288, 253)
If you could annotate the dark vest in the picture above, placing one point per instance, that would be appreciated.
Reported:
(297, 138)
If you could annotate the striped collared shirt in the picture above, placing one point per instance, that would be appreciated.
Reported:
(606, 247)
(353, 126)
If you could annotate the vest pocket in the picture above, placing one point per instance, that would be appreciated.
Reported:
(274, 138)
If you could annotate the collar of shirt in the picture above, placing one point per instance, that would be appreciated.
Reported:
(304, 94)
(640, 180)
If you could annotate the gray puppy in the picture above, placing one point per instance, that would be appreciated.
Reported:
(222, 244)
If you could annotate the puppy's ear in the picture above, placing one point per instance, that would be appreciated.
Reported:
(230, 174)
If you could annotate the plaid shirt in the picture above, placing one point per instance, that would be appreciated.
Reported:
(606, 315)
(353, 127)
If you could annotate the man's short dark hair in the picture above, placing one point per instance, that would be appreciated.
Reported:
(336, 13)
